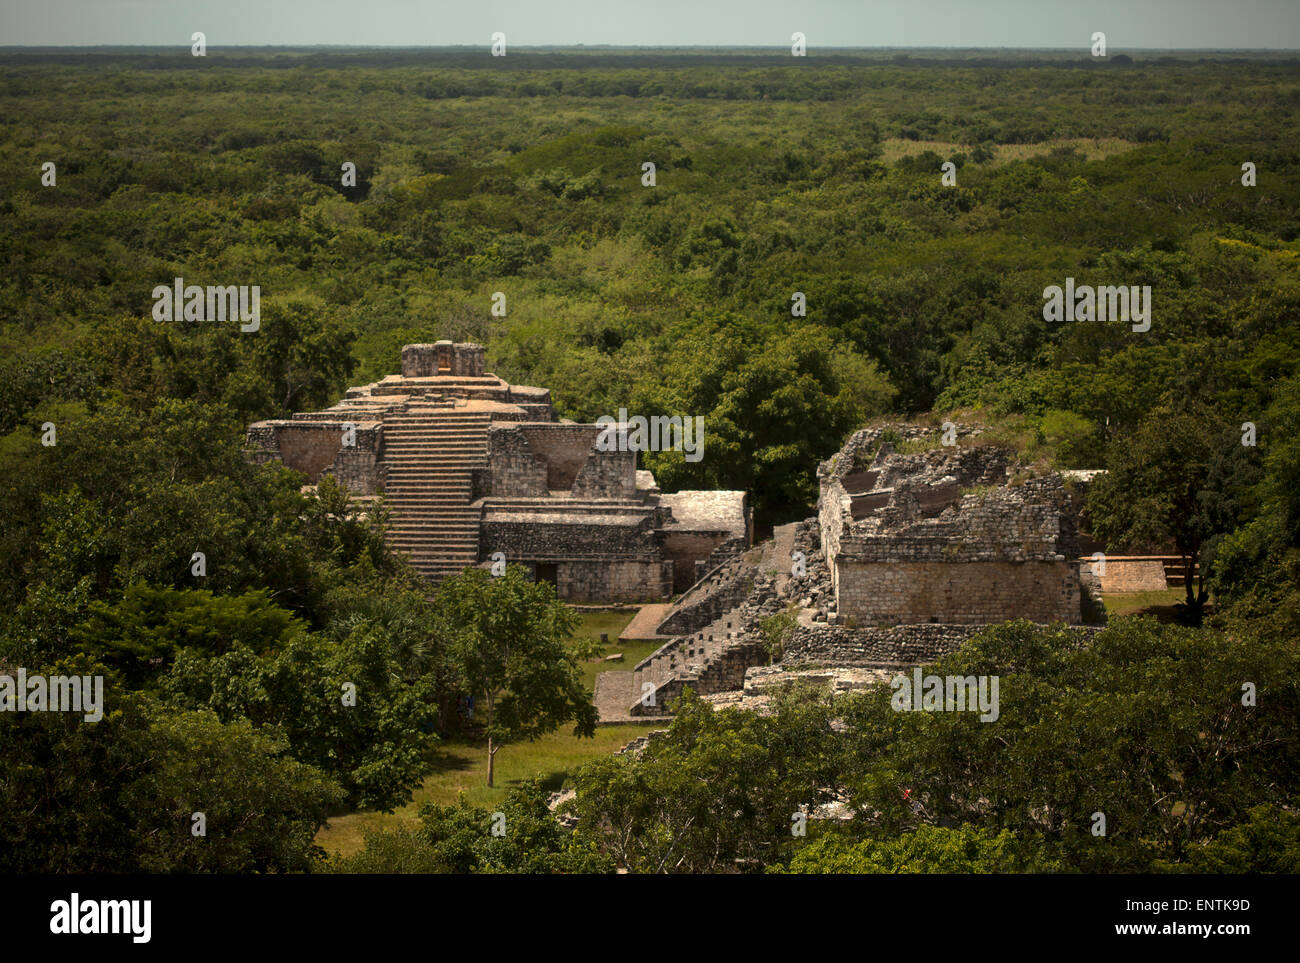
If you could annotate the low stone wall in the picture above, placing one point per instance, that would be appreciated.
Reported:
(840, 645)
(1133, 575)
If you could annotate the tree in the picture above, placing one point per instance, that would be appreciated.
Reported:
(929, 849)
(1179, 476)
(719, 792)
(348, 704)
(1147, 724)
(511, 648)
(119, 795)
(260, 808)
(140, 634)
(1257, 566)
(772, 408)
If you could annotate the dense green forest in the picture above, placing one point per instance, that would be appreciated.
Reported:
(524, 175)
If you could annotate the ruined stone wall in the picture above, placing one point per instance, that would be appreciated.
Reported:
(442, 358)
(729, 587)
(564, 450)
(722, 673)
(850, 473)
(831, 513)
(537, 537)
(536, 402)
(886, 645)
(514, 470)
(684, 548)
(309, 447)
(358, 468)
(897, 593)
(607, 474)
(315, 447)
(724, 551)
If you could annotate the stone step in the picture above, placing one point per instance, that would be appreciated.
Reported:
(429, 468)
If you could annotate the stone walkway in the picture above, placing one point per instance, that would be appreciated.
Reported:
(614, 695)
(643, 624)
(776, 554)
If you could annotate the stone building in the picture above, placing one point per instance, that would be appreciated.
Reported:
(941, 535)
(470, 466)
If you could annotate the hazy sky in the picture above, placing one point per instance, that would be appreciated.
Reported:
(848, 23)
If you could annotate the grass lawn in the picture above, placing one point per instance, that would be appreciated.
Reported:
(633, 653)
(611, 623)
(462, 768)
(1144, 603)
(462, 763)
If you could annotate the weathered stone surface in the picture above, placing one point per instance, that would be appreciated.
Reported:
(471, 466)
(938, 535)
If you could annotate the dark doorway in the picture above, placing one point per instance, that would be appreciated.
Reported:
(545, 572)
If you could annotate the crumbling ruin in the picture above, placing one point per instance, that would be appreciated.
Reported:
(911, 553)
(471, 466)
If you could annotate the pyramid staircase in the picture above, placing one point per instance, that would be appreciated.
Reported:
(430, 452)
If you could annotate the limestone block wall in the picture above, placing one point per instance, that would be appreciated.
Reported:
(831, 512)
(359, 468)
(902, 645)
(627, 580)
(685, 548)
(315, 446)
(728, 588)
(564, 449)
(607, 474)
(442, 358)
(897, 593)
(822, 644)
(514, 470)
(525, 534)
(1133, 575)
(724, 672)
(723, 552)
(535, 401)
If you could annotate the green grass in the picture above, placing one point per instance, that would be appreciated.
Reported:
(633, 652)
(611, 623)
(462, 768)
(1135, 603)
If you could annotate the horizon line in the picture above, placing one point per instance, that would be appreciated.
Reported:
(614, 46)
